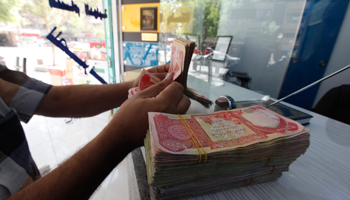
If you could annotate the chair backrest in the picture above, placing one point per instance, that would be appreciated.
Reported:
(335, 104)
(24, 65)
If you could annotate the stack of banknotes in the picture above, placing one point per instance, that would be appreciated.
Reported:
(181, 54)
(192, 155)
(148, 79)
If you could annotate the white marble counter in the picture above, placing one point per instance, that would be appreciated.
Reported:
(321, 173)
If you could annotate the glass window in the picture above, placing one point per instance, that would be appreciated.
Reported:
(23, 30)
(141, 54)
(262, 35)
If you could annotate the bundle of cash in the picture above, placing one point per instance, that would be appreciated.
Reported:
(181, 54)
(148, 79)
(191, 155)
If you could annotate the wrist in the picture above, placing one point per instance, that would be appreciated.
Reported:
(120, 133)
(133, 83)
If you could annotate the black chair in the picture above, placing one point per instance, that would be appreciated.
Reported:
(335, 104)
(24, 65)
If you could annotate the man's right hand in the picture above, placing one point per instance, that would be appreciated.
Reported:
(159, 71)
(132, 117)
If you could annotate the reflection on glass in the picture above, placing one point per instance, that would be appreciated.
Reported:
(24, 26)
(221, 48)
(263, 35)
(142, 54)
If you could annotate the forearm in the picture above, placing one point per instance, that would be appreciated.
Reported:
(80, 175)
(83, 100)
(8, 91)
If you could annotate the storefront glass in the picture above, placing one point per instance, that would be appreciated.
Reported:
(23, 30)
(248, 43)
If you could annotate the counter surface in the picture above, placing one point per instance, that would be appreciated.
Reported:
(321, 173)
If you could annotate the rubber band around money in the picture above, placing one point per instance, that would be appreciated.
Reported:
(195, 94)
(273, 169)
(251, 181)
(245, 182)
(205, 153)
(267, 161)
(189, 130)
(185, 124)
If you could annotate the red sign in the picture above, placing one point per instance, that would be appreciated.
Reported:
(97, 45)
(30, 34)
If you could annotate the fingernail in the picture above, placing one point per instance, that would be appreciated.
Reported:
(168, 75)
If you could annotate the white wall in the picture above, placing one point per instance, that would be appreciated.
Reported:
(340, 58)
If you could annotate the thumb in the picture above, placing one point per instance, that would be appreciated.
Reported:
(154, 90)
(161, 76)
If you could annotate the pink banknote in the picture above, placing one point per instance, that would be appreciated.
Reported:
(177, 59)
(133, 91)
(221, 130)
(147, 79)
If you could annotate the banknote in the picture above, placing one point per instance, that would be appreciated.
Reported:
(177, 60)
(181, 56)
(198, 94)
(147, 79)
(225, 130)
(133, 91)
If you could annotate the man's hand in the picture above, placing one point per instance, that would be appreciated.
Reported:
(132, 117)
(81, 174)
(159, 71)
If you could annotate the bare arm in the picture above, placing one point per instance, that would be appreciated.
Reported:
(71, 101)
(7, 90)
(83, 100)
(88, 100)
(80, 175)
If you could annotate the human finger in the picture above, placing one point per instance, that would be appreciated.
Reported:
(160, 69)
(161, 76)
(154, 90)
(183, 105)
(170, 96)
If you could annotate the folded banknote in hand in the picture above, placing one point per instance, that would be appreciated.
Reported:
(181, 55)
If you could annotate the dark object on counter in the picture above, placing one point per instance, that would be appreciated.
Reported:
(335, 104)
(243, 78)
(225, 102)
(286, 111)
